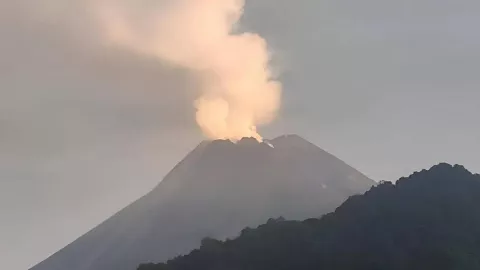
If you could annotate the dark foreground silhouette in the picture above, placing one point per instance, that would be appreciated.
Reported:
(430, 220)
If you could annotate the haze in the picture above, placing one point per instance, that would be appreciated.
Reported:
(388, 86)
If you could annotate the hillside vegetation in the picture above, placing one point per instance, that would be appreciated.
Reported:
(430, 220)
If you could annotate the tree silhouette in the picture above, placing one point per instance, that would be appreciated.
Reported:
(430, 220)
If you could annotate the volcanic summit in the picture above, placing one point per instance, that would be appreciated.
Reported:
(217, 190)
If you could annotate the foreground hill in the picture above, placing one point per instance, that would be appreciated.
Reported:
(216, 191)
(430, 220)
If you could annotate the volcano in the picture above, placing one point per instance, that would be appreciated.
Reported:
(216, 191)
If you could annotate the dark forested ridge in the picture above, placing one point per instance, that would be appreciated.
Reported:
(430, 220)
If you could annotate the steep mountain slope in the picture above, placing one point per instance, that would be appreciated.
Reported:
(430, 220)
(217, 190)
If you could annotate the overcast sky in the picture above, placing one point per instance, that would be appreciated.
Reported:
(388, 86)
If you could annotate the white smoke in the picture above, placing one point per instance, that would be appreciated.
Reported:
(238, 91)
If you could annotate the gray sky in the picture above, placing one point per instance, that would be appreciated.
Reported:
(388, 86)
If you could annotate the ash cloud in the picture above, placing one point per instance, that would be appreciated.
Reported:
(236, 86)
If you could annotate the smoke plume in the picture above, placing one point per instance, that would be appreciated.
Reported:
(238, 91)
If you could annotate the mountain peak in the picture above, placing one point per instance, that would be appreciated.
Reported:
(439, 173)
(290, 137)
(284, 140)
(221, 147)
(248, 141)
(215, 191)
(293, 140)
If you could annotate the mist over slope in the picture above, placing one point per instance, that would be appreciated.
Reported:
(427, 221)
(216, 191)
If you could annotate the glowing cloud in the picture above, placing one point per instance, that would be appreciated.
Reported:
(238, 91)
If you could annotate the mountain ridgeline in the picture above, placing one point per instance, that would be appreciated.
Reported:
(217, 190)
(430, 220)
